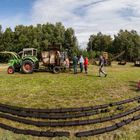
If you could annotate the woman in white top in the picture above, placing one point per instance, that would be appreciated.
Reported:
(81, 62)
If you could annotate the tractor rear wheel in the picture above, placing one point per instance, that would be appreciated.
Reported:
(10, 70)
(56, 70)
(27, 67)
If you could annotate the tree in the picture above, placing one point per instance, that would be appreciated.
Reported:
(99, 42)
(70, 42)
(8, 39)
(38, 37)
(1, 44)
(128, 41)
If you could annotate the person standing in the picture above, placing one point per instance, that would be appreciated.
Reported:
(102, 63)
(138, 85)
(67, 63)
(75, 63)
(81, 62)
(86, 65)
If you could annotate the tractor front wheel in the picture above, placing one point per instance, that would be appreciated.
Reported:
(27, 67)
(10, 70)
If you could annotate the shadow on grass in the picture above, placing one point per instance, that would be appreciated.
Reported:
(134, 86)
(89, 75)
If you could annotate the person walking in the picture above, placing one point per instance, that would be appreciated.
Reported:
(86, 65)
(102, 63)
(75, 63)
(81, 62)
(138, 85)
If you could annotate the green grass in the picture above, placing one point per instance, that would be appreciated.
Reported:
(46, 90)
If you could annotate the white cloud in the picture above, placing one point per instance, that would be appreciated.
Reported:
(85, 16)
(89, 16)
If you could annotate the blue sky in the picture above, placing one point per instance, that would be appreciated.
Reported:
(13, 12)
(10, 7)
(85, 16)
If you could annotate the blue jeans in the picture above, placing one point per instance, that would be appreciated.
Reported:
(81, 67)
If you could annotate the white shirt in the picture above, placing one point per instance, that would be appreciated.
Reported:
(81, 60)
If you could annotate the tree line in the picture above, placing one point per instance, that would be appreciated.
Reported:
(40, 36)
(128, 41)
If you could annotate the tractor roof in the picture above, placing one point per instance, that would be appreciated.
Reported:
(28, 49)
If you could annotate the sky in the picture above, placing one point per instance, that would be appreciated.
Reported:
(85, 16)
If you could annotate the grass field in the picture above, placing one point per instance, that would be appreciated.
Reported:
(46, 90)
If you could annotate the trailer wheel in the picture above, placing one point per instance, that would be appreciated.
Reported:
(10, 70)
(27, 67)
(56, 70)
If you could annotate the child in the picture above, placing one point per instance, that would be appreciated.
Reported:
(86, 64)
(66, 64)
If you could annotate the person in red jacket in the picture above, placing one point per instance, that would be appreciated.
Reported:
(138, 85)
(86, 64)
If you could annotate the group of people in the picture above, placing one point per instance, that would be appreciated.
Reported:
(83, 62)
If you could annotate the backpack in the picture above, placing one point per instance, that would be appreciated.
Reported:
(105, 61)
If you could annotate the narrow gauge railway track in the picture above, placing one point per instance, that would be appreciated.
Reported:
(70, 123)
(87, 111)
(34, 132)
(67, 134)
(52, 116)
(68, 110)
(108, 128)
(66, 113)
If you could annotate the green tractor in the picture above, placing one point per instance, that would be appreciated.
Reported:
(26, 63)
(29, 61)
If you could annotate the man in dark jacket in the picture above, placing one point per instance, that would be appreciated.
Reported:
(75, 63)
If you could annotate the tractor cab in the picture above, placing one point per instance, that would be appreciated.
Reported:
(29, 60)
(28, 52)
